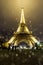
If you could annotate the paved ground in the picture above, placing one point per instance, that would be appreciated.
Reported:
(21, 57)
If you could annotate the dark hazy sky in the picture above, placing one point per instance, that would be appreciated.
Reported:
(10, 11)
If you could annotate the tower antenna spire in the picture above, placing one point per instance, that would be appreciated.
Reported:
(22, 20)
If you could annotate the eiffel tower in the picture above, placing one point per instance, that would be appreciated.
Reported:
(22, 34)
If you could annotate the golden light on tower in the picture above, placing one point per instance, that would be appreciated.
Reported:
(22, 34)
(22, 22)
(22, 16)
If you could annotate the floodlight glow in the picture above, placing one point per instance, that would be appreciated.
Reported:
(38, 42)
(21, 47)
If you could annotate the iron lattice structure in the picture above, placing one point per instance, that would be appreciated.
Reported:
(22, 34)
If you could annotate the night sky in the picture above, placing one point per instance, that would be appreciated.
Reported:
(10, 12)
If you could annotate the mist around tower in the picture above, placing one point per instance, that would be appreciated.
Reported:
(21, 32)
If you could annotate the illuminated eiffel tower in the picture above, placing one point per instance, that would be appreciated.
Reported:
(22, 34)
